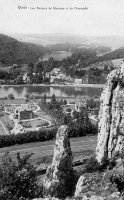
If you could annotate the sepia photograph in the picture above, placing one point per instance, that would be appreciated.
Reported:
(61, 100)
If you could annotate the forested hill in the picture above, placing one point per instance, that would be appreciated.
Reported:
(13, 51)
(118, 53)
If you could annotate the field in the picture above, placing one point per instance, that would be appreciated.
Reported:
(23, 68)
(6, 124)
(44, 150)
(117, 62)
(3, 130)
(100, 65)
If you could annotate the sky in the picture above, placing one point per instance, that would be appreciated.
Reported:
(102, 18)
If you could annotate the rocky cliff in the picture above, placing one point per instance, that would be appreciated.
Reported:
(59, 173)
(111, 117)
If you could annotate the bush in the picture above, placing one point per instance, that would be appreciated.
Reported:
(76, 129)
(92, 165)
(68, 109)
(11, 96)
(36, 136)
(118, 180)
(18, 180)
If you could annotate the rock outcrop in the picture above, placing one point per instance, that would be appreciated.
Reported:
(81, 186)
(59, 173)
(111, 117)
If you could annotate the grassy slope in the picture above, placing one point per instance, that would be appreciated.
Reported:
(41, 149)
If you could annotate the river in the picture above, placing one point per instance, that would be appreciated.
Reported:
(65, 91)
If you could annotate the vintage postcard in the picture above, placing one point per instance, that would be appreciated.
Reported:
(61, 99)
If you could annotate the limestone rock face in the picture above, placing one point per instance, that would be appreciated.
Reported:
(111, 117)
(57, 174)
(81, 185)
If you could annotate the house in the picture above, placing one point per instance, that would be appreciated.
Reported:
(52, 79)
(26, 78)
(47, 74)
(85, 79)
(23, 112)
(78, 81)
(81, 105)
(55, 71)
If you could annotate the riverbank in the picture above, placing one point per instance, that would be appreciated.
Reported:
(57, 85)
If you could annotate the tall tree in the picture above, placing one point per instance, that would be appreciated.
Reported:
(30, 68)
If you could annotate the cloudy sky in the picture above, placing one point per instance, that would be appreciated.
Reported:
(103, 17)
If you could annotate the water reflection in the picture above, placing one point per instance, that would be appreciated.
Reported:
(19, 92)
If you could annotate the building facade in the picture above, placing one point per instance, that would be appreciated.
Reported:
(81, 105)
(23, 112)
(78, 81)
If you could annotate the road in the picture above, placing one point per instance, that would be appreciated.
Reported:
(41, 149)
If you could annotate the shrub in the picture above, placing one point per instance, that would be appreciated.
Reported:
(92, 165)
(118, 180)
(36, 136)
(18, 180)
(68, 109)
(11, 96)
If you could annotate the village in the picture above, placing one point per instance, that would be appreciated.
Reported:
(24, 115)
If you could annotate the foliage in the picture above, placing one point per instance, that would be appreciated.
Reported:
(118, 53)
(68, 109)
(18, 180)
(30, 68)
(11, 96)
(71, 178)
(54, 108)
(36, 136)
(92, 165)
(118, 180)
(93, 104)
(38, 70)
(13, 51)
(79, 124)
(43, 135)
(64, 189)
(98, 184)
(27, 96)
(3, 74)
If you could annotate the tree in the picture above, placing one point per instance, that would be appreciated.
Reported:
(30, 68)
(27, 96)
(38, 68)
(18, 180)
(11, 96)
(44, 98)
(38, 72)
(68, 109)
(53, 99)
(19, 79)
(65, 102)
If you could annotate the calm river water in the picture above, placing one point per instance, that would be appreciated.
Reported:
(20, 91)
